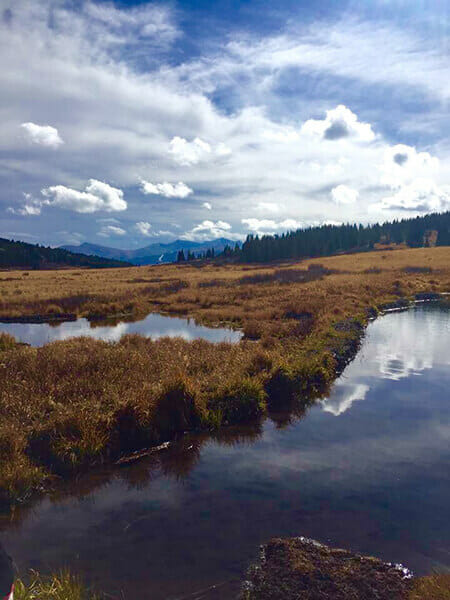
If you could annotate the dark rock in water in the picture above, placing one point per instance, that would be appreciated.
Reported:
(396, 305)
(49, 318)
(300, 568)
(427, 296)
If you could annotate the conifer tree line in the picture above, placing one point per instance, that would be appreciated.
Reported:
(15, 254)
(183, 257)
(324, 240)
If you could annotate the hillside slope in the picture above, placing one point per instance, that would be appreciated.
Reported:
(17, 255)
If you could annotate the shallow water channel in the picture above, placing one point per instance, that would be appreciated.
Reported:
(154, 326)
(366, 469)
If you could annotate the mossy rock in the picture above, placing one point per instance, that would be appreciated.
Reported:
(299, 568)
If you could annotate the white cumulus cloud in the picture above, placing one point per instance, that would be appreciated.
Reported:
(109, 230)
(97, 196)
(42, 135)
(210, 230)
(269, 226)
(339, 123)
(290, 224)
(188, 153)
(168, 190)
(191, 153)
(207, 205)
(342, 194)
(32, 207)
(260, 224)
(403, 163)
(421, 195)
(143, 227)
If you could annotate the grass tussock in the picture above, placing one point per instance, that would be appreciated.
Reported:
(433, 587)
(61, 586)
(7, 342)
(81, 402)
(241, 401)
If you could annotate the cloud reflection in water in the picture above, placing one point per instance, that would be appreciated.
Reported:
(419, 344)
(154, 326)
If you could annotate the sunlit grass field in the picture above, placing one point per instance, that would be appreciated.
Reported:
(213, 292)
(71, 405)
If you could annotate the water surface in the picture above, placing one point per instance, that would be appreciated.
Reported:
(154, 326)
(366, 469)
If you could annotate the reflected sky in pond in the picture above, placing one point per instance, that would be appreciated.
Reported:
(365, 469)
(395, 348)
(154, 326)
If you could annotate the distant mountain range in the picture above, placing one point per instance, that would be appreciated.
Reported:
(152, 254)
(20, 255)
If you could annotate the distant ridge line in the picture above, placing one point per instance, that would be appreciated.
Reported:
(157, 253)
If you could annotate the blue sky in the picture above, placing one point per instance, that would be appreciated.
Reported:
(132, 122)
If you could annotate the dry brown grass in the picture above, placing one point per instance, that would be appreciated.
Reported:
(80, 402)
(433, 587)
(59, 586)
(216, 293)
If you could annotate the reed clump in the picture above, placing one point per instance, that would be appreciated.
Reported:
(7, 342)
(59, 586)
(241, 401)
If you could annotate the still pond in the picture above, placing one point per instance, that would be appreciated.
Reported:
(154, 326)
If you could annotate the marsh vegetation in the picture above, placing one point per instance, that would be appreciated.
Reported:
(72, 404)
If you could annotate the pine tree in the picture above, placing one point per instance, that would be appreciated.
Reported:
(330, 239)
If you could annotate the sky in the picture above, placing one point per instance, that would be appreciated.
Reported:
(126, 123)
